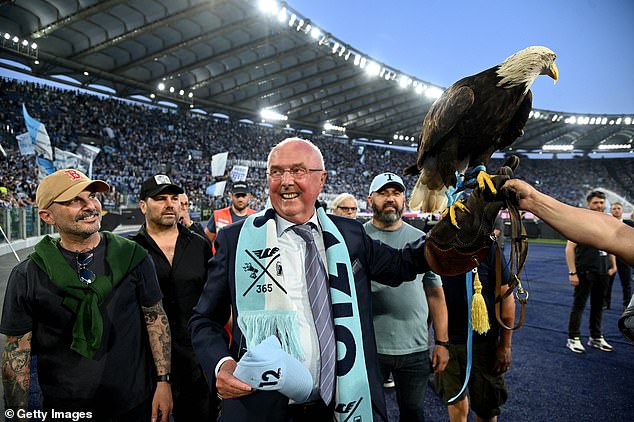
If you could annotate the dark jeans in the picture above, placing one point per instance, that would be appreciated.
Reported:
(625, 275)
(411, 373)
(591, 285)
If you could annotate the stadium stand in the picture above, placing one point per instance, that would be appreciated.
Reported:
(144, 140)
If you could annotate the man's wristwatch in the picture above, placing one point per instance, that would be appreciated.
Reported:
(572, 273)
(444, 344)
(163, 378)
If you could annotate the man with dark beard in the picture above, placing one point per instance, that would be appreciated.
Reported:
(180, 257)
(400, 313)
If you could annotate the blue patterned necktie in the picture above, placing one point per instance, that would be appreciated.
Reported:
(316, 281)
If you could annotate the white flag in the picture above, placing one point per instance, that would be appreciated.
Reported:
(219, 164)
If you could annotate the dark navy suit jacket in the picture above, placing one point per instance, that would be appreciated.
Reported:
(370, 259)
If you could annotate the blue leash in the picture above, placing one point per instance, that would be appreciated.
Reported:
(469, 281)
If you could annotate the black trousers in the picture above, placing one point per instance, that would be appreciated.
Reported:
(625, 275)
(591, 285)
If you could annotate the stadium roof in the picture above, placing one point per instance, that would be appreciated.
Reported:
(233, 57)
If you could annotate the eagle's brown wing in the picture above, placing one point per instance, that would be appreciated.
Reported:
(443, 117)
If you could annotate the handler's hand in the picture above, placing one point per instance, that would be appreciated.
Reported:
(229, 387)
(502, 359)
(440, 357)
(162, 402)
(574, 280)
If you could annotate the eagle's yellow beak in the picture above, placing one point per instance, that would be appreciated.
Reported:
(553, 72)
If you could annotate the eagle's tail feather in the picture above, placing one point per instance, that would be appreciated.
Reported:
(425, 199)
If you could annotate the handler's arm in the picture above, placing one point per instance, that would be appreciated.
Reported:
(580, 225)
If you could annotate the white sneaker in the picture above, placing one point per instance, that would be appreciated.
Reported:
(575, 345)
(601, 344)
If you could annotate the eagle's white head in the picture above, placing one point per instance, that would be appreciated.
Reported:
(523, 67)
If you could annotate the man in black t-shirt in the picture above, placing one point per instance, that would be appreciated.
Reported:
(589, 273)
(89, 306)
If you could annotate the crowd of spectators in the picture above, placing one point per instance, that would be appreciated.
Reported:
(138, 141)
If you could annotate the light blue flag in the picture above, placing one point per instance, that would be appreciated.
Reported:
(38, 134)
(44, 168)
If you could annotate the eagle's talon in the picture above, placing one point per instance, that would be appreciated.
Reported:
(484, 179)
(452, 212)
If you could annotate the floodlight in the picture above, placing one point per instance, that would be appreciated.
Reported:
(395, 136)
(171, 89)
(363, 62)
(604, 120)
(161, 86)
(433, 92)
(272, 115)
(618, 121)
(190, 95)
(269, 6)
(16, 39)
(347, 56)
(404, 81)
(7, 36)
(181, 92)
(292, 20)
(335, 47)
(357, 59)
(36, 62)
(282, 15)
(419, 89)
(315, 33)
(152, 96)
(627, 120)
(33, 46)
(85, 73)
(373, 68)
(25, 43)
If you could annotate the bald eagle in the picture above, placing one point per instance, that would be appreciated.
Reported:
(473, 118)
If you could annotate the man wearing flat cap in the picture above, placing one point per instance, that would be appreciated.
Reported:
(180, 257)
(237, 211)
(82, 302)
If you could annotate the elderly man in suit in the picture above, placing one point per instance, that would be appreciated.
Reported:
(266, 269)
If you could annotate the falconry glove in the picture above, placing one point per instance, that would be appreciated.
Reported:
(452, 250)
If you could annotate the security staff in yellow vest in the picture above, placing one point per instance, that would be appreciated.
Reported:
(238, 210)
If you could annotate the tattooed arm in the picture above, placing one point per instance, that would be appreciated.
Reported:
(16, 366)
(160, 342)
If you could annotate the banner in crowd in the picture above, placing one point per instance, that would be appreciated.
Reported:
(44, 167)
(66, 160)
(219, 164)
(39, 136)
(216, 189)
(3, 151)
(25, 144)
(239, 173)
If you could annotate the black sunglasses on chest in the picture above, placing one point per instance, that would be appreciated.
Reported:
(83, 260)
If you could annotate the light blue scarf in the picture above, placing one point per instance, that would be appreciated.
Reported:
(264, 308)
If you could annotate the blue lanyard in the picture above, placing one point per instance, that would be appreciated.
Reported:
(469, 286)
